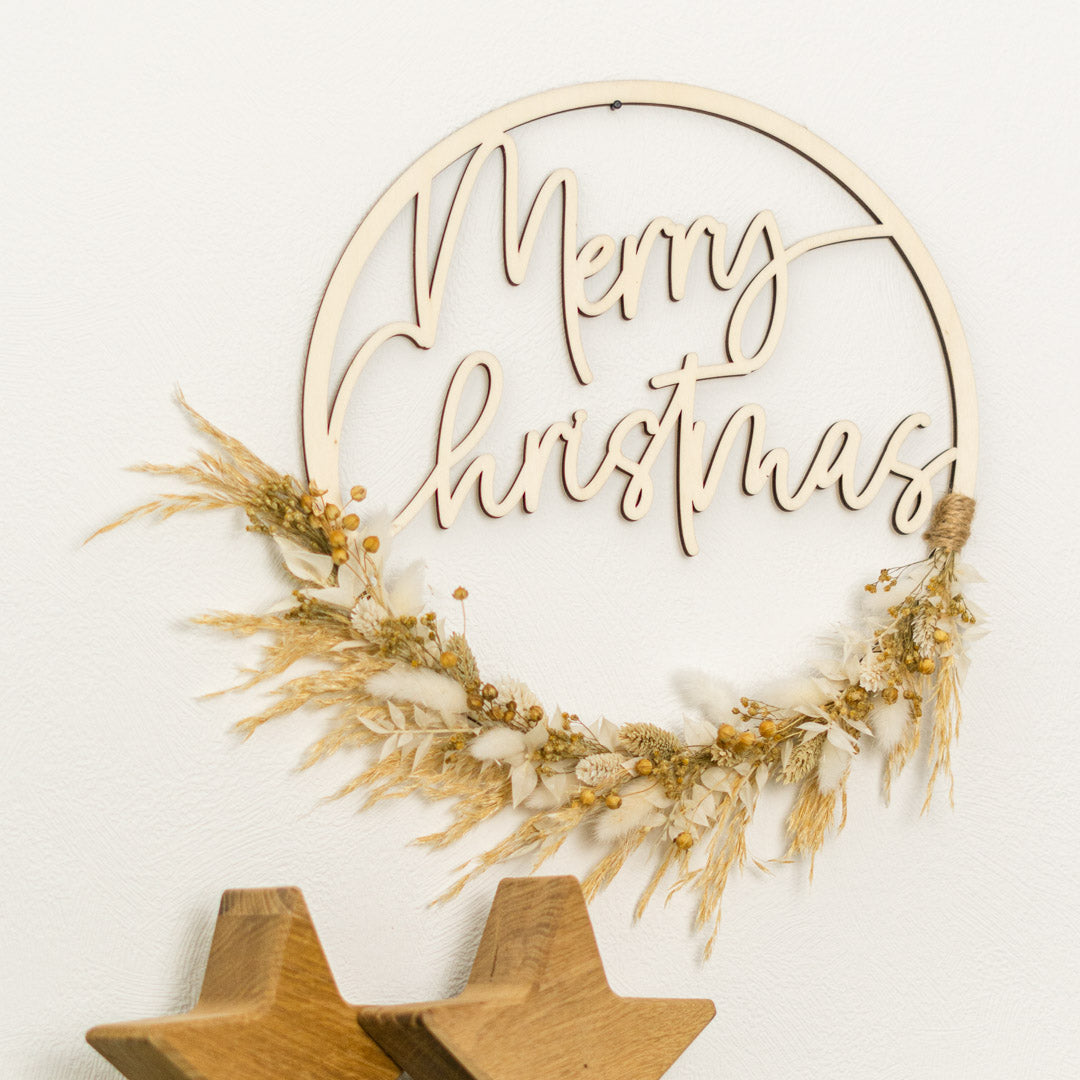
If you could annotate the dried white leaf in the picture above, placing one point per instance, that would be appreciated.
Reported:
(698, 732)
(832, 767)
(840, 739)
(716, 779)
(636, 812)
(306, 565)
(522, 781)
(536, 736)
(606, 733)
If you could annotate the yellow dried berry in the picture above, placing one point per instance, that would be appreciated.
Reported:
(448, 659)
(460, 593)
(350, 522)
(612, 801)
(370, 544)
(587, 797)
(940, 636)
(358, 493)
(725, 733)
(644, 767)
(489, 692)
(684, 841)
(767, 729)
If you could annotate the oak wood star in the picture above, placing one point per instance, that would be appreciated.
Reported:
(269, 1008)
(537, 1004)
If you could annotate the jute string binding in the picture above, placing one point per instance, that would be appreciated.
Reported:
(950, 524)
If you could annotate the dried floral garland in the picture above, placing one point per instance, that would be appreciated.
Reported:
(392, 678)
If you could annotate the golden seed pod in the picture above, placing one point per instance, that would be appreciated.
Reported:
(587, 797)
(337, 538)
(489, 692)
(767, 728)
(498, 712)
(475, 702)
(684, 841)
(448, 659)
(370, 544)
(536, 714)
(358, 493)
(927, 665)
(725, 733)
(340, 556)
(940, 636)
(890, 694)
(350, 522)
(644, 767)
(460, 593)
(332, 512)
(747, 738)
(306, 503)
(612, 801)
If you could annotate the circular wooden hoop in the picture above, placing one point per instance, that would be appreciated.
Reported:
(320, 437)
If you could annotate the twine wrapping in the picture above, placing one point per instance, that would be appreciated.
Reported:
(950, 524)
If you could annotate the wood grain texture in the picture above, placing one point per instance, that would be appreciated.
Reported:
(537, 1005)
(269, 1008)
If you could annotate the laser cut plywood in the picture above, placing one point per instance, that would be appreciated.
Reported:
(537, 1005)
(269, 1008)
(491, 138)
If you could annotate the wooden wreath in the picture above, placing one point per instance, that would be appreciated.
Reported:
(394, 677)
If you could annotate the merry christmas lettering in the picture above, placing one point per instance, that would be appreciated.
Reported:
(834, 463)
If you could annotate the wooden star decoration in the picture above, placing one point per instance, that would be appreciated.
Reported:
(269, 1008)
(537, 1004)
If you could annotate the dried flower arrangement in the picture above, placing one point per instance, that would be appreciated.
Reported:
(393, 679)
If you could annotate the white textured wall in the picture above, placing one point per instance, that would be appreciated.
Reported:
(177, 184)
